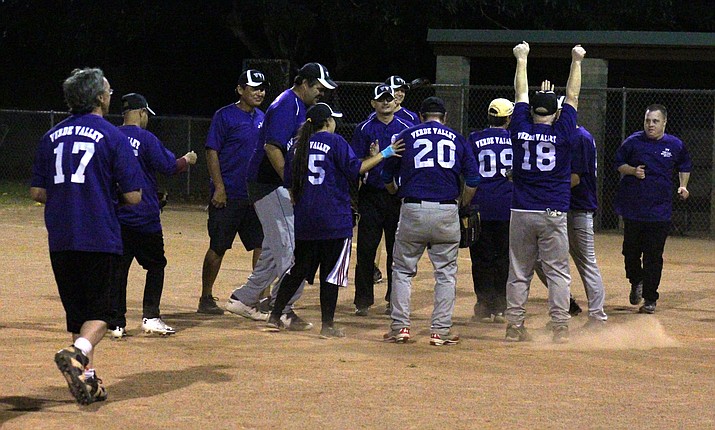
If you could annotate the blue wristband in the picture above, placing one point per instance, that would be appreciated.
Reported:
(388, 152)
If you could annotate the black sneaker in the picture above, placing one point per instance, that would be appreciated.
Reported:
(71, 362)
(328, 332)
(362, 311)
(517, 333)
(265, 306)
(574, 308)
(293, 322)
(388, 309)
(377, 275)
(274, 324)
(560, 333)
(636, 293)
(647, 308)
(207, 305)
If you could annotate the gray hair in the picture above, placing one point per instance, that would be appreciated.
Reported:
(82, 89)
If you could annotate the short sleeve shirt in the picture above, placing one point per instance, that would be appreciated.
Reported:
(493, 153)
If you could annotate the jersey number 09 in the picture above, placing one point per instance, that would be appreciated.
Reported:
(78, 176)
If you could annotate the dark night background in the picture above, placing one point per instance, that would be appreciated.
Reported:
(186, 56)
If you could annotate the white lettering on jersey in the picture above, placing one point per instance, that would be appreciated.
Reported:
(320, 146)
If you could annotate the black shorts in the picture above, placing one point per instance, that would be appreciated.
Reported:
(331, 255)
(238, 216)
(83, 280)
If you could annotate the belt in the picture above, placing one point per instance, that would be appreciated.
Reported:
(443, 202)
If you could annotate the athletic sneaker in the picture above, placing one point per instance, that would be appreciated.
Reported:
(264, 305)
(207, 305)
(118, 332)
(71, 362)
(574, 308)
(362, 312)
(437, 339)
(499, 318)
(560, 333)
(274, 324)
(237, 307)
(647, 308)
(398, 336)
(594, 324)
(156, 325)
(331, 331)
(636, 293)
(388, 309)
(517, 333)
(293, 322)
(377, 275)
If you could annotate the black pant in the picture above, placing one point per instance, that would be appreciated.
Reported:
(647, 239)
(148, 249)
(310, 255)
(379, 211)
(490, 265)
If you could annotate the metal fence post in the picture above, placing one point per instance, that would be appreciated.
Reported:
(188, 146)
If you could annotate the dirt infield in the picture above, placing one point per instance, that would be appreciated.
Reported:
(643, 371)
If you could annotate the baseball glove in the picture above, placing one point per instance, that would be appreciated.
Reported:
(469, 226)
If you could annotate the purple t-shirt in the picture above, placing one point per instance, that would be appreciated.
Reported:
(323, 210)
(650, 199)
(584, 163)
(234, 136)
(492, 150)
(79, 162)
(283, 119)
(434, 159)
(542, 160)
(368, 132)
(153, 157)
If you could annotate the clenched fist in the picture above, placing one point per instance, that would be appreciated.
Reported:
(190, 157)
(577, 53)
(521, 51)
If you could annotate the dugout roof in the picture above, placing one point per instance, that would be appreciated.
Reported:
(609, 45)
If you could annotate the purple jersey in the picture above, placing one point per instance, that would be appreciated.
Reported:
(369, 131)
(584, 163)
(542, 160)
(153, 157)
(435, 157)
(650, 199)
(234, 136)
(283, 119)
(79, 162)
(492, 150)
(323, 210)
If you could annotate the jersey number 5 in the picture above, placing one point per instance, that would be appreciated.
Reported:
(445, 153)
(316, 170)
(78, 176)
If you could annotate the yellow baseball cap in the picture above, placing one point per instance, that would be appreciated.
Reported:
(501, 108)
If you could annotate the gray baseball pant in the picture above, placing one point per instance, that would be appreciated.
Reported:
(535, 235)
(275, 212)
(436, 227)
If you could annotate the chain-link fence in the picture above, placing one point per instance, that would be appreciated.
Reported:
(610, 115)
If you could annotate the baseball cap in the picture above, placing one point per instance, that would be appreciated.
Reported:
(544, 103)
(319, 112)
(433, 105)
(133, 101)
(253, 78)
(319, 72)
(501, 108)
(560, 102)
(396, 82)
(383, 89)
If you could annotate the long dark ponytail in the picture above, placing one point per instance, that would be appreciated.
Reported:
(300, 156)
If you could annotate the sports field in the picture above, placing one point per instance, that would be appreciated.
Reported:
(643, 371)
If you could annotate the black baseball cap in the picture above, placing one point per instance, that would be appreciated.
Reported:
(396, 82)
(544, 103)
(383, 89)
(319, 112)
(253, 78)
(433, 105)
(319, 72)
(134, 101)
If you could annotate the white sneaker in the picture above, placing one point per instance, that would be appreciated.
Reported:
(118, 332)
(239, 308)
(156, 325)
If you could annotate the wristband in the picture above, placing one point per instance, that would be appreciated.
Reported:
(388, 152)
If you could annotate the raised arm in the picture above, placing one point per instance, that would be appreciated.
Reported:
(573, 86)
(521, 83)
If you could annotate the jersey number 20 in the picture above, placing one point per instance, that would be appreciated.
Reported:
(78, 176)
(445, 153)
